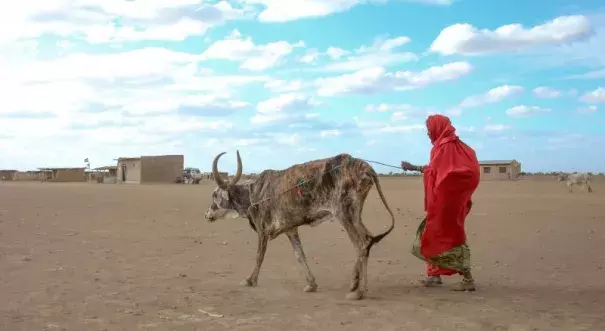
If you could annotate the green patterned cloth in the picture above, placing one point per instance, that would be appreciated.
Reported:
(457, 258)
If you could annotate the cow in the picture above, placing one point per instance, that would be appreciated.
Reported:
(279, 201)
(581, 178)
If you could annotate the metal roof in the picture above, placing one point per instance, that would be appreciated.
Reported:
(145, 156)
(497, 162)
(106, 168)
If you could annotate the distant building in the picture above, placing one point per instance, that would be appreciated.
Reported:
(500, 169)
(34, 175)
(64, 174)
(150, 169)
(8, 174)
(106, 174)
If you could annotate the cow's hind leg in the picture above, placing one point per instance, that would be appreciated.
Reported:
(260, 256)
(362, 240)
(300, 256)
(355, 278)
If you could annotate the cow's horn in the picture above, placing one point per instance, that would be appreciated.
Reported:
(238, 173)
(217, 178)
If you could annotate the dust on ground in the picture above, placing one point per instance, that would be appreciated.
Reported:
(141, 257)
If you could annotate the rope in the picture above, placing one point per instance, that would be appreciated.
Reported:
(384, 164)
(302, 181)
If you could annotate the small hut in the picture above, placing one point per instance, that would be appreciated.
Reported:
(106, 174)
(8, 174)
(65, 175)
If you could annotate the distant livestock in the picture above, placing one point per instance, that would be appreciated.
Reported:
(578, 178)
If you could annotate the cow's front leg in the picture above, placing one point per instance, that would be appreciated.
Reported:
(263, 239)
(300, 257)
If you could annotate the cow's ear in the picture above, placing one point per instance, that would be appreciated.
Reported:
(225, 195)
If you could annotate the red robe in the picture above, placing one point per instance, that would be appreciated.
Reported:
(449, 182)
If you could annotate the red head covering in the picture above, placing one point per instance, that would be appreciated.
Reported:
(440, 129)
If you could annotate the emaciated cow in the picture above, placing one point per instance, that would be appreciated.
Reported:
(279, 201)
(581, 178)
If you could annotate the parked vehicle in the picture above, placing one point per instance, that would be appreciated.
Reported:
(192, 175)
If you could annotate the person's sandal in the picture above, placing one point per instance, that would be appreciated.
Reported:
(465, 285)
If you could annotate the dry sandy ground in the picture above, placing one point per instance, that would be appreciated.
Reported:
(121, 257)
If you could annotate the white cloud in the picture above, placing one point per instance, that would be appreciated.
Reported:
(401, 112)
(373, 126)
(594, 74)
(330, 133)
(546, 92)
(587, 110)
(54, 134)
(336, 53)
(144, 62)
(466, 129)
(120, 81)
(94, 20)
(468, 40)
(278, 85)
(280, 11)
(588, 53)
(311, 56)
(286, 102)
(282, 107)
(395, 129)
(523, 111)
(383, 107)
(268, 139)
(124, 102)
(382, 53)
(376, 79)
(399, 116)
(252, 57)
(496, 127)
(492, 96)
(293, 139)
(596, 96)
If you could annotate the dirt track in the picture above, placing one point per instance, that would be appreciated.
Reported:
(120, 257)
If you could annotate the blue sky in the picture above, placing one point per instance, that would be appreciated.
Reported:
(285, 82)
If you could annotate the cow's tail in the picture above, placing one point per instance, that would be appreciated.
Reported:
(379, 237)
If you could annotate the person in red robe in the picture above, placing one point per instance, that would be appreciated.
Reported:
(450, 179)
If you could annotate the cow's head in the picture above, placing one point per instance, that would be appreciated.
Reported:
(562, 177)
(226, 197)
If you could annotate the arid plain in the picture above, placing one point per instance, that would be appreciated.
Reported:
(142, 257)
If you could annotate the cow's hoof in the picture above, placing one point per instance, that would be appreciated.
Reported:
(357, 295)
(310, 288)
(248, 283)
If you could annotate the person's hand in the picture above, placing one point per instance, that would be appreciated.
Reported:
(407, 166)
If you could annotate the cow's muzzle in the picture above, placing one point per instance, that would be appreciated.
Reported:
(209, 216)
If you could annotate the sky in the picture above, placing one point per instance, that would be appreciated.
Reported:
(286, 82)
